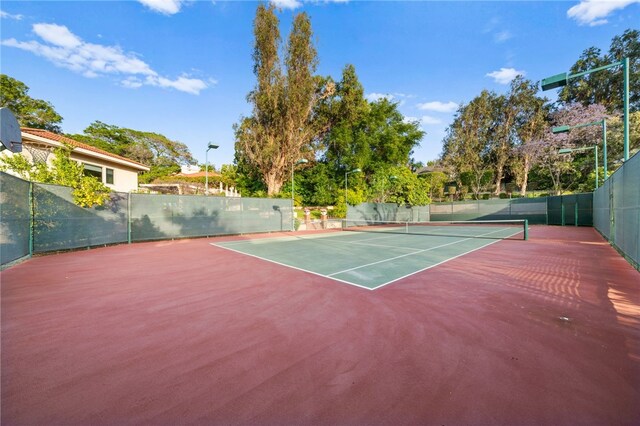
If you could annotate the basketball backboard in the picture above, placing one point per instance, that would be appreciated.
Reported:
(10, 137)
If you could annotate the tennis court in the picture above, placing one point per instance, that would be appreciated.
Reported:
(544, 331)
(376, 254)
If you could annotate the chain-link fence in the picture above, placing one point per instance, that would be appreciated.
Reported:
(532, 209)
(36, 218)
(387, 211)
(573, 209)
(616, 210)
(15, 218)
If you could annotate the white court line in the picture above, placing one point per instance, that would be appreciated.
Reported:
(359, 285)
(293, 267)
(411, 254)
(434, 265)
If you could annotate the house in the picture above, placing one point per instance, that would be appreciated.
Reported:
(116, 172)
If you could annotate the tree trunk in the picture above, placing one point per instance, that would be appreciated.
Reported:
(499, 171)
(274, 184)
(525, 177)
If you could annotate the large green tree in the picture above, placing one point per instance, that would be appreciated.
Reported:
(569, 170)
(281, 129)
(529, 127)
(163, 155)
(30, 112)
(605, 87)
(466, 148)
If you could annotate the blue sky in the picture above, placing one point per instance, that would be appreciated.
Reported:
(184, 68)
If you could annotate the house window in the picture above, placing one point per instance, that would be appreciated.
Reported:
(91, 170)
(109, 176)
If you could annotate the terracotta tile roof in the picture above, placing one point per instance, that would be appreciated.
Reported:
(61, 138)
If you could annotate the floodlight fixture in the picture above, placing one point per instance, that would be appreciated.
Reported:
(560, 80)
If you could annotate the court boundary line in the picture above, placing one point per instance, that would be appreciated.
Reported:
(293, 267)
(380, 285)
(418, 251)
(437, 264)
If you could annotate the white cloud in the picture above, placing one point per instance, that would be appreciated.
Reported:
(5, 15)
(65, 49)
(438, 106)
(426, 119)
(132, 82)
(373, 97)
(166, 7)
(183, 83)
(594, 12)
(57, 34)
(287, 4)
(505, 75)
(502, 36)
(294, 4)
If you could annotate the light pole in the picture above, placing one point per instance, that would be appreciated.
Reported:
(595, 147)
(345, 183)
(562, 79)
(293, 202)
(206, 167)
(603, 123)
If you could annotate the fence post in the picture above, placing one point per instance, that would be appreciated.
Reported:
(129, 218)
(576, 212)
(546, 211)
(32, 221)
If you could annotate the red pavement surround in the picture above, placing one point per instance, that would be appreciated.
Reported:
(181, 332)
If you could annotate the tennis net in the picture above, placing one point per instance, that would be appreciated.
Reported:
(492, 229)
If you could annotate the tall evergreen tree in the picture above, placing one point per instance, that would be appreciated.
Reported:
(281, 128)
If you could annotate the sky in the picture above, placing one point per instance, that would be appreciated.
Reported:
(184, 68)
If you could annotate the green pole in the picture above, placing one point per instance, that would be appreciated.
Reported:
(32, 219)
(546, 212)
(604, 146)
(575, 213)
(526, 229)
(625, 71)
(562, 210)
(129, 218)
(596, 150)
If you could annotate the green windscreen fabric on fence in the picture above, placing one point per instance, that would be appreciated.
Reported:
(585, 209)
(532, 209)
(601, 209)
(629, 222)
(616, 207)
(388, 211)
(60, 224)
(572, 209)
(15, 218)
(155, 217)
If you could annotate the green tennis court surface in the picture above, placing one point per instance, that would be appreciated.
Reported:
(372, 259)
